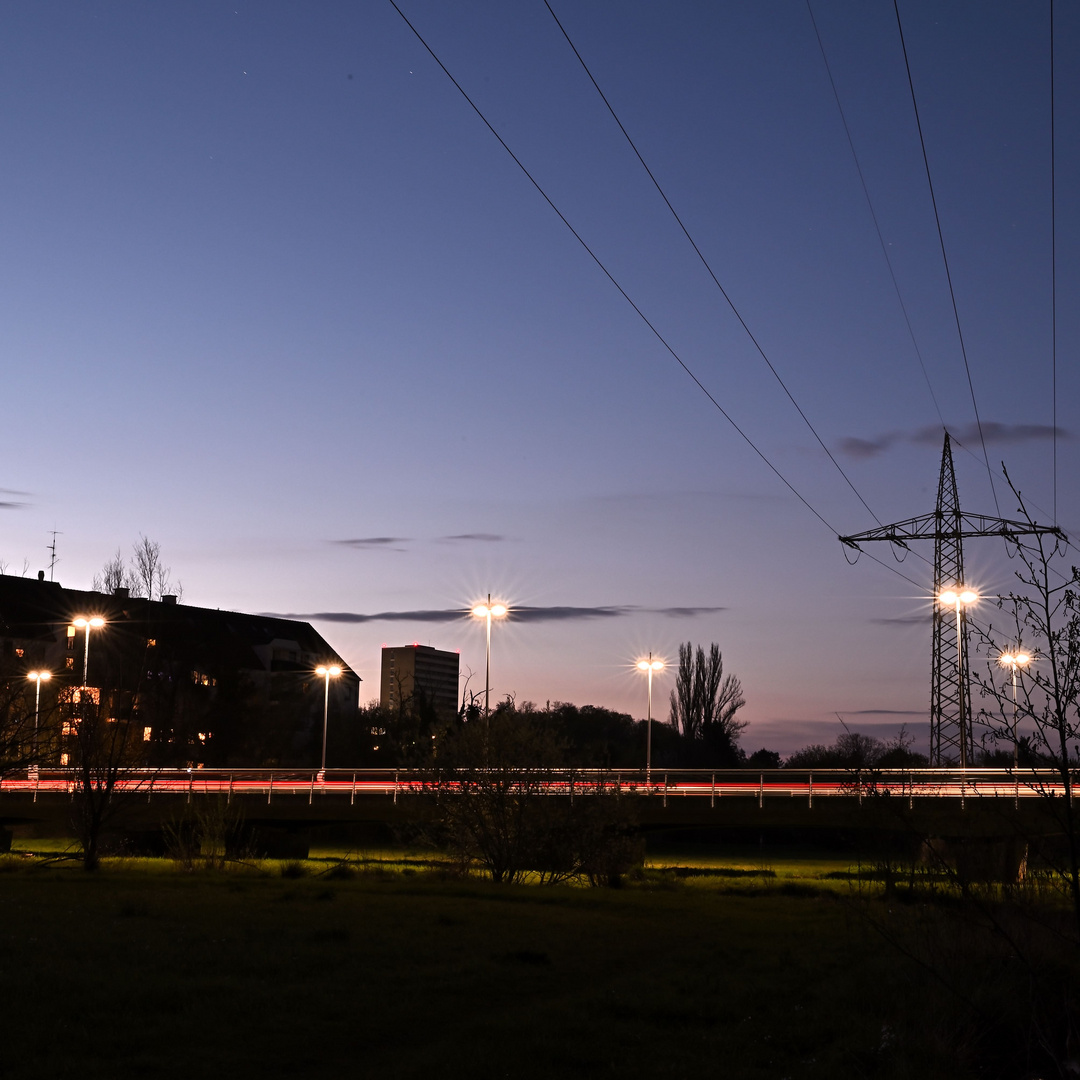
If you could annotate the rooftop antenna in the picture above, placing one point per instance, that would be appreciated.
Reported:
(948, 526)
(51, 549)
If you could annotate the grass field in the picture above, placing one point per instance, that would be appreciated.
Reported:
(402, 971)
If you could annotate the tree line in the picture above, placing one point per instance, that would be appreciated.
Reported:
(703, 730)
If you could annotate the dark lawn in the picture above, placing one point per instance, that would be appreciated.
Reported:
(129, 972)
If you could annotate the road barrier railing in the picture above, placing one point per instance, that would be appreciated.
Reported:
(713, 784)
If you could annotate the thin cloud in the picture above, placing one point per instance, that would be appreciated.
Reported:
(484, 538)
(433, 615)
(364, 543)
(560, 613)
(901, 620)
(866, 448)
(995, 434)
(12, 491)
(13, 505)
(686, 612)
(887, 712)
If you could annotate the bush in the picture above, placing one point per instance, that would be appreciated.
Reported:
(210, 833)
(494, 807)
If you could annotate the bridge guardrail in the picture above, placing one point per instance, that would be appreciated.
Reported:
(714, 784)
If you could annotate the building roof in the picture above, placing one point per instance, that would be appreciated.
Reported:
(36, 610)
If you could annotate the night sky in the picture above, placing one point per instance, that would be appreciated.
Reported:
(274, 296)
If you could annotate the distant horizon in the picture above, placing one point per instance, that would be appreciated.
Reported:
(813, 733)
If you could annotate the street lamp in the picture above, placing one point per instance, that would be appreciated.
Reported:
(87, 623)
(489, 611)
(960, 598)
(39, 677)
(1015, 660)
(328, 672)
(650, 666)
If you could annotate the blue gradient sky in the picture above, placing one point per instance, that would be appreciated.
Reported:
(269, 285)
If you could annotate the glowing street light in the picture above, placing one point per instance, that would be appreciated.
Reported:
(960, 598)
(87, 623)
(328, 672)
(650, 666)
(1018, 659)
(39, 677)
(488, 612)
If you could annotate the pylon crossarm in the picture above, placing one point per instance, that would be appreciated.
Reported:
(951, 526)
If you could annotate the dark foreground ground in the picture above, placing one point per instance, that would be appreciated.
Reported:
(148, 971)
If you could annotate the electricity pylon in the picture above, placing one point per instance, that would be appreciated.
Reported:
(948, 526)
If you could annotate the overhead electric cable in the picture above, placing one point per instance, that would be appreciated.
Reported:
(1053, 264)
(873, 214)
(944, 255)
(622, 292)
(705, 263)
(607, 273)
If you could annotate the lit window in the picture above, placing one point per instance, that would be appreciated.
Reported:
(203, 736)
(69, 662)
(146, 733)
(65, 759)
(19, 652)
(71, 634)
(151, 642)
(68, 728)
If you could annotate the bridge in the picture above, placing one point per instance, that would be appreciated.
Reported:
(806, 785)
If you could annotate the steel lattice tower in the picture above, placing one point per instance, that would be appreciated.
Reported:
(950, 690)
(951, 737)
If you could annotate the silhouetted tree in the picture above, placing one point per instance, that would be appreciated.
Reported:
(27, 731)
(598, 738)
(764, 759)
(853, 750)
(1043, 619)
(704, 707)
(153, 578)
(146, 576)
(115, 574)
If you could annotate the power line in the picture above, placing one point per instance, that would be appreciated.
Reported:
(944, 255)
(607, 273)
(873, 214)
(705, 263)
(622, 292)
(723, 291)
(1053, 264)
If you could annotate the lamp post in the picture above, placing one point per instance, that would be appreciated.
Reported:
(649, 666)
(328, 672)
(961, 598)
(87, 623)
(39, 677)
(1015, 660)
(488, 612)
